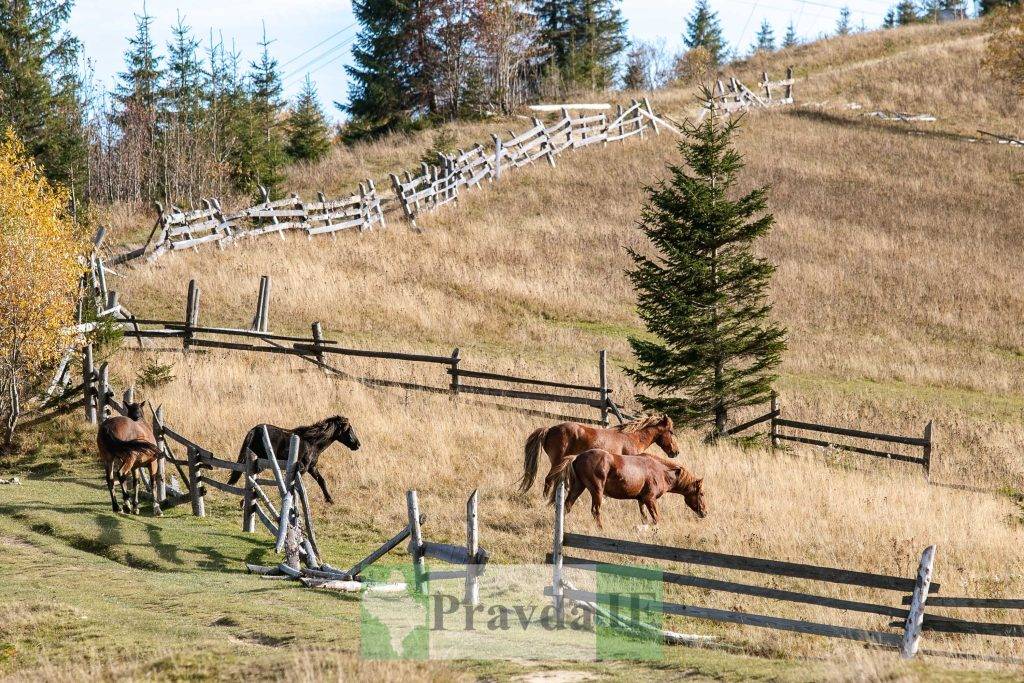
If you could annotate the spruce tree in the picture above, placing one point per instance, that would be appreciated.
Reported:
(987, 6)
(843, 27)
(583, 40)
(890, 18)
(140, 82)
(259, 156)
(906, 13)
(184, 82)
(308, 134)
(40, 90)
(637, 75)
(704, 30)
(702, 294)
(380, 77)
(765, 39)
(790, 40)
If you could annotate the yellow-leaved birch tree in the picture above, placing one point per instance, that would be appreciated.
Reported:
(39, 272)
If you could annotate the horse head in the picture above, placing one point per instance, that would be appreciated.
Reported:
(692, 491)
(664, 437)
(134, 411)
(343, 432)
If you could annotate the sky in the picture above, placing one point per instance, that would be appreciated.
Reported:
(315, 36)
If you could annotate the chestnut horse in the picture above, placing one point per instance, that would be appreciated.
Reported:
(643, 478)
(126, 444)
(565, 440)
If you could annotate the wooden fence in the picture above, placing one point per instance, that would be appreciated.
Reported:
(317, 349)
(429, 187)
(912, 618)
(733, 96)
(782, 429)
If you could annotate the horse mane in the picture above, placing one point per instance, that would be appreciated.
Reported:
(638, 424)
(318, 431)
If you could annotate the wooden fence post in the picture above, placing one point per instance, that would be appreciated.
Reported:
(767, 86)
(161, 463)
(928, 450)
(412, 504)
(89, 385)
(375, 202)
(774, 426)
(111, 302)
(287, 480)
(472, 596)
(912, 631)
(618, 117)
(102, 392)
(256, 320)
(191, 312)
(455, 371)
(603, 373)
(789, 88)
(195, 483)
(497, 156)
(546, 144)
(318, 341)
(556, 551)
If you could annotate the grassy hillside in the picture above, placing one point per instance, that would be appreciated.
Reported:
(898, 278)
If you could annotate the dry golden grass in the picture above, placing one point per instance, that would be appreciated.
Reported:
(899, 279)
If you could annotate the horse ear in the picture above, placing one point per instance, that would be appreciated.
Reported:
(665, 420)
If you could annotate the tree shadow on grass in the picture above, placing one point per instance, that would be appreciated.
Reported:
(900, 128)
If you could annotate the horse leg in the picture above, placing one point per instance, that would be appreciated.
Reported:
(596, 497)
(574, 493)
(652, 507)
(154, 472)
(643, 517)
(135, 491)
(108, 474)
(319, 479)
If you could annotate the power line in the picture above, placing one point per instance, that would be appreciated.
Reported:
(808, 2)
(326, 53)
(325, 40)
(291, 80)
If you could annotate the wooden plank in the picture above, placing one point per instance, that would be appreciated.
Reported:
(226, 488)
(978, 628)
(557, 544)
(380, 552)
(415, 357)
(846, 447)
(452, 554)
(854, 433)
(233, 331)
(750, 423)
(530, 395)
(980, 603)
(778, 623)
(222, 464)
(522, 380)
(236, 346)
(415, 535)
(755, 591)
(576, 107)
(738, 562)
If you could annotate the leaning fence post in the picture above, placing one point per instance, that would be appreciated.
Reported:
(455, 371)
(928, 450)
(288, 495)
(603, 372)
(195, 483)
(102, 392)
(412, 504)
(89, 385)
(912, 631)
(556, 551)
(774, 412)
(472, 548)
(256, 321)
(654, 119)
(789, 86)
(265, 306)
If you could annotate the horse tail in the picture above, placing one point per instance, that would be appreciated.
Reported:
(237, 474)
(563, 471)
(531, 454)
(120, 449)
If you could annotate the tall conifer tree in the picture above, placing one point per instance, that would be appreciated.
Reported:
(790, 40)
(704, 30)
(765, 39)
(702, 294)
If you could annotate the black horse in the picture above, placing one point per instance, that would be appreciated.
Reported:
(313, 440)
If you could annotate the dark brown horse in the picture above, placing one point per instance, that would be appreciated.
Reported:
(313, 440)
(126, 444)
(565, 440)
(643, 478)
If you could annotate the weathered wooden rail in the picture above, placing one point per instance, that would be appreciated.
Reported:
(731, 96)
(781, 429)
